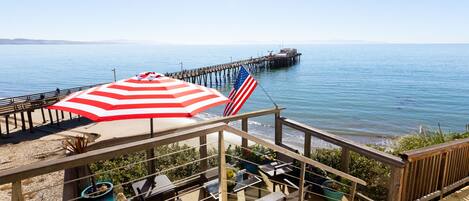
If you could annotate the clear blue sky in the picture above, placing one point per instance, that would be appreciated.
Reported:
(218, 22)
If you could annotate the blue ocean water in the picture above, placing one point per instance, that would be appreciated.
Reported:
(373, 89)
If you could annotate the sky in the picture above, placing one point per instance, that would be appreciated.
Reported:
(237, 21)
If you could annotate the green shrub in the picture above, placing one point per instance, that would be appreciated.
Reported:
(373, 172)
(415, 141)
(377, 174)
(138, 170)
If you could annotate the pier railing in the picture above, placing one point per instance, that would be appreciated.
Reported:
(432, 171)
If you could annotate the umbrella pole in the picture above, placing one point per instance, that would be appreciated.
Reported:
(151, 153)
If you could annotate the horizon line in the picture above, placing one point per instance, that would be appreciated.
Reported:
(149, 42)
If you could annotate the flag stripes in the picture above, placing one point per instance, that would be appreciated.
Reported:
(242, 89)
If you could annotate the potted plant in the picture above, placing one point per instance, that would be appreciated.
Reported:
(231, 178)
(101, 191)
(332, 190)
(256, 154)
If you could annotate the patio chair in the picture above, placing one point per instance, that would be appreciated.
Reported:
(280, 194)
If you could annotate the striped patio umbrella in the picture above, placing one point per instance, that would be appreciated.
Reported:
(147, 95)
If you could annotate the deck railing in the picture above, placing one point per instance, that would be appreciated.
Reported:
(421, 174)
(435, 170)
(17, 175)
(395, 163)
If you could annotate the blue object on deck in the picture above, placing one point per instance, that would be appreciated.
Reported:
(107, 196)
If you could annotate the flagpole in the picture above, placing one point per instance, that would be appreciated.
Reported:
(265, 92)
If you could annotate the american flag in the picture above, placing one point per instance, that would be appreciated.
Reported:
(242, 89)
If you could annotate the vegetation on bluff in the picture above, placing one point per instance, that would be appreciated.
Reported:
(377, 174)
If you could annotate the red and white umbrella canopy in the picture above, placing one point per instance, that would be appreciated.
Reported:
(147, 95)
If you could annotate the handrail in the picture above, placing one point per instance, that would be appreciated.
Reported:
(227, 119)
(44, 167)
(293, 155)
(433, 149)
(342, 142)
(435, 170)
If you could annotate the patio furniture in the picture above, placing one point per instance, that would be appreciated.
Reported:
(212, 186)
(279, 194)
(160, 189)
(280, 170)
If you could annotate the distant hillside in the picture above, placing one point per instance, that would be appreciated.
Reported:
(23, 41)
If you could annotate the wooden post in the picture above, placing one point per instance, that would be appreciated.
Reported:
(43, 116)
(345, 160)
(62, 112)
(395, 190)
(16, 121)
(70, 114)
(23, 124)
(444, 173)
(57, 117)
(30, 121)
(353, 191)
(223, 188)
(7, 125)
(17, 191)
(301, 191)
(307, 145)
(203, 154)
(244, 127)
(50, 117)
(278, 129)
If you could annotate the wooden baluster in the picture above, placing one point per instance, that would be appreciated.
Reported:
(353, 191)
(223, 188)
(23, 124)
(30, 121)
(345, 160)
(395, 184)
(278, 129)
(244, 127)
(50, 117)
(17, 191)
(16, 121)
(7, 125)
(203, 154)
(444, 173)
(57, 117)
(301, 191)
(307, 145)
(43, 116)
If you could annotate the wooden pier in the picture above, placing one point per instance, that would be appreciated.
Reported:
(211, 76)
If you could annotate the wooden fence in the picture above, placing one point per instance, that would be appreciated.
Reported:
(432, 171)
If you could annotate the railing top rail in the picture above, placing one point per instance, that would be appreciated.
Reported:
(434, 149)
(141, 136)
(44, 167)
(342, 142)
(294, 155)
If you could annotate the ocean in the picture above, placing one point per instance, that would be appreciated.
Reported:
(367, 92)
